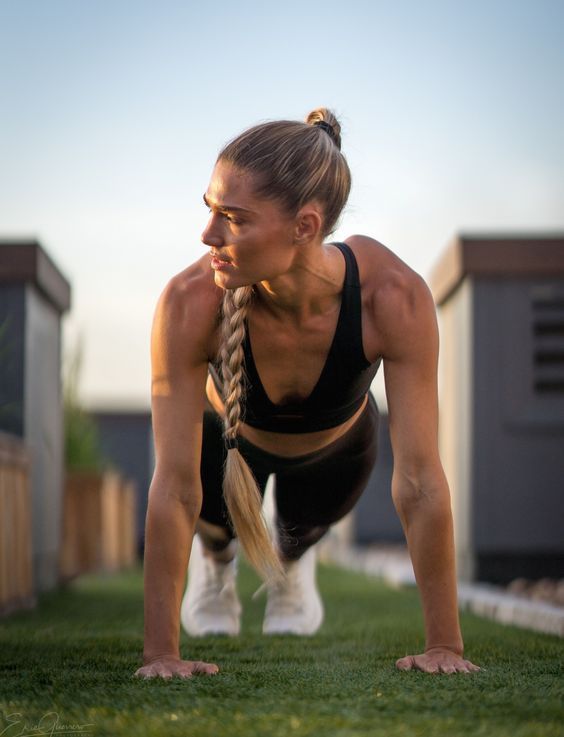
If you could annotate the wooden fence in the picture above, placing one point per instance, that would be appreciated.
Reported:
(98, 523)
(16, 583)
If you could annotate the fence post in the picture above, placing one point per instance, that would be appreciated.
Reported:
(16, 585)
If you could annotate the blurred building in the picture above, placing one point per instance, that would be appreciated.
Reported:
(34, 294)
(375, 519)
(127, 442)
(501, 308)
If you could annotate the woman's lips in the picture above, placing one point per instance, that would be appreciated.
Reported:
(218, 264)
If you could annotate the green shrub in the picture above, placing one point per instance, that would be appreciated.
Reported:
(83, 450)
(82, 440)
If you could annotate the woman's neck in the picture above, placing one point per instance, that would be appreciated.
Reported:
(311, 286)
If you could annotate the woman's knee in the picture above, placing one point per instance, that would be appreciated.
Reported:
(294, 540)
(214, 537)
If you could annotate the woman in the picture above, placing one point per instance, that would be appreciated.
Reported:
(278, 335)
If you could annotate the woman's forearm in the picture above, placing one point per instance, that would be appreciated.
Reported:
(428, 529)
(169, 531)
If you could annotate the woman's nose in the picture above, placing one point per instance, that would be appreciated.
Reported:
(211, 235)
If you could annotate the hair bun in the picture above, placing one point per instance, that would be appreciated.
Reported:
(325, 119)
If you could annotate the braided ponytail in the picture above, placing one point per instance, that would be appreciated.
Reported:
(292, 163)
(240, 489)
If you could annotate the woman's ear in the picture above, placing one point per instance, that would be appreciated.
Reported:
(309, 222)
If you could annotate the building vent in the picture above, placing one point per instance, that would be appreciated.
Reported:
(548, 346)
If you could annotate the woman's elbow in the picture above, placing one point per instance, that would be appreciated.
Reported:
(425, 489)
(177, 488)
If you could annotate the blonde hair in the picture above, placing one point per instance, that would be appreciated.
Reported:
(295, 163)
(292, 163)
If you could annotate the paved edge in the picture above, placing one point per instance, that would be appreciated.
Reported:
(485, 600)
(488, 601)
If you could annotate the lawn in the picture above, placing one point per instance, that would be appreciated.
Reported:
(67, 667)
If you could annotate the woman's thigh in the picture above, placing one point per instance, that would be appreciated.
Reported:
(326, 485)
(214, 509)
(314, 490)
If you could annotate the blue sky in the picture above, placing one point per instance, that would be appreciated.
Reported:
(113, 112)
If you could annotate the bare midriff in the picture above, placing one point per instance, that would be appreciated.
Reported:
(287, 445)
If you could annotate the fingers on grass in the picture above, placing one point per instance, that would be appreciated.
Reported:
(448, 669)
(145, 673)
(208, 669)
(463, 667)
(163, 672)
(154, 672)
(467, 668)
(471, 667)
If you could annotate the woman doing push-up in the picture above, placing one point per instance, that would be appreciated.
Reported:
(263, 352)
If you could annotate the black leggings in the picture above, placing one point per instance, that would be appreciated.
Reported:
(312, 491)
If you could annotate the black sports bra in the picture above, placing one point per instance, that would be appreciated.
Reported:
(344, 380)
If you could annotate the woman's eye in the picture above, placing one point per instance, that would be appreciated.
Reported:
(230, 218)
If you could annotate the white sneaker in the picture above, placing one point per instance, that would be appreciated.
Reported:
(210, 604)
(294, 605)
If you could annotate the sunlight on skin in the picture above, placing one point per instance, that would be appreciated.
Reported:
(437, 661)
(169, 667)
(160, 387)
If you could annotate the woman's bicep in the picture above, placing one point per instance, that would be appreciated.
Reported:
(179, 371)
(177, 427)
(410, 372)
(413, 415)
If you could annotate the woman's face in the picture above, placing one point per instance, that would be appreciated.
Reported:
(251, 239)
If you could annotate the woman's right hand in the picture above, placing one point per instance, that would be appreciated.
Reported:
(168, 666)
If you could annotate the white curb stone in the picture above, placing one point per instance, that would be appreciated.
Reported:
(392, 563)
(510, 609)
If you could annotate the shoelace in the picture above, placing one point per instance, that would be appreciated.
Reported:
(261, 589)
(285, 597)
(217, 587)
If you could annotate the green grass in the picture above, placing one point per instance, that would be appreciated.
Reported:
(76, 653)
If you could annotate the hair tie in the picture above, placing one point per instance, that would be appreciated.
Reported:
(327, 127)
(232, 443)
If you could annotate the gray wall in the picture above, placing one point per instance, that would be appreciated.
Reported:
(43, 431)
(518, 479)
(12, 345)
(502, 426)
(375, 519)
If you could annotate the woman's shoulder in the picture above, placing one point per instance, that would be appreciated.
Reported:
(382, 272)
(395, 297)
(195, 284)
(189, 305)
(192, 289)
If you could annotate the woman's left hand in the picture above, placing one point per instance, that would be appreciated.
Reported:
(437, 660)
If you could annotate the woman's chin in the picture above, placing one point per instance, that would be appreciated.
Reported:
(228, 281)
